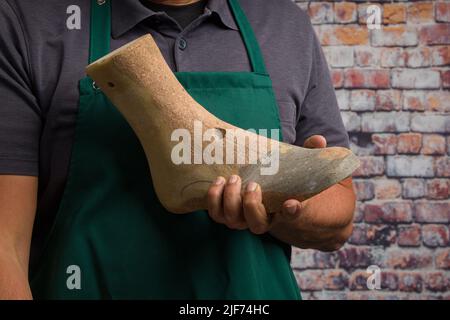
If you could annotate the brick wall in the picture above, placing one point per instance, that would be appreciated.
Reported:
(393, 87)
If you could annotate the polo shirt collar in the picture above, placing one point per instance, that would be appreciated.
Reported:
(222, 9)
(126, 14)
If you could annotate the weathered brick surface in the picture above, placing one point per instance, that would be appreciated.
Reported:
(409, 143)
(413, 188)
(387, 189)
(366, 78)
(409, 235)
(393, 89)
(394, 13)
(443, 12)
(384, 143)
(437, 189)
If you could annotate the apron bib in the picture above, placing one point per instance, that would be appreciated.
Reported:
(112, 239)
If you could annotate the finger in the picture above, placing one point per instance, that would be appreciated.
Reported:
(254, 211)
(316, 141)
(215, 192)
(291, 210)
(232, 203)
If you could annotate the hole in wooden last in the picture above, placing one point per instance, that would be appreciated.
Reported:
(111, 85)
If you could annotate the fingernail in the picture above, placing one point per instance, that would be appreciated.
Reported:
(219, 181)
(291, 209)
(252, 186)
(233, 179)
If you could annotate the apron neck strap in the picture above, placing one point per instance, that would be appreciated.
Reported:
(253, 49)
(100, 33)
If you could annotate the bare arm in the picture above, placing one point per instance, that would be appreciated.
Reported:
(18, 196)
(323, 222)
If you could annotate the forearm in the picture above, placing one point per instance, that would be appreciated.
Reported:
(18, 196)
(325, 221)
(13, 278)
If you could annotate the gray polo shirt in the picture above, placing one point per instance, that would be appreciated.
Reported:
(42, 60)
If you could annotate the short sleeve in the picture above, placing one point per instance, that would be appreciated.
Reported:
(319, 112)
(20, 118)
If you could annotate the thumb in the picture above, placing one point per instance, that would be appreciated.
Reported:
(291, 210)
(315, 142)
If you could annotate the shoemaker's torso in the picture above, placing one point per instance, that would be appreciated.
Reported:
(43, 59)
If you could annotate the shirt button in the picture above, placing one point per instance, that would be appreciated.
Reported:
(182, 44)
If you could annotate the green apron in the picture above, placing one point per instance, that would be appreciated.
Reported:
(111, 225)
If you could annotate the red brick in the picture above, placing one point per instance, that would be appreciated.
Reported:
(352, 121)
(342, 35)
(388, 100)
(312, 259)
(394, 36)
(389, 280)
(343, 97)
(432, 212)
(414, 100)
(420, 12)
(409, 235)
(410, 282)
(442, 11)
(310, 280)
(354, 257)
(359, 212)
(388, 212)
(438, 189)
(442, 167)
(381, 235)
(373, 235)
(337, 76)
(435, 34)
(321, 12)
(413, 188)
(418, 57)
(359, 235)
(345, 12)
(410, 166)
(358, 280)
(440, 56)
(445, 78)
(448, 145)
(409, 143)
(437, 281)
(387, 189)
(364, 189)
(367, 57)
(438, 101)
(385, 122)
(339, 56)
(370, 166)
(433, 144)
(435, 235)
(394, 13)
(384, 143)
(335, 280)
(392, 57)
(408, 259)
(443, 259)
(367, 78)
(362, 100)
(430, 122)
(363, 15)
(416, 79)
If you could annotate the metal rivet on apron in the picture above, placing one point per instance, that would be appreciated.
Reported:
(101, 2)
(94, 85)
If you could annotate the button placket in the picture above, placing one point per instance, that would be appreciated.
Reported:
(182, 43)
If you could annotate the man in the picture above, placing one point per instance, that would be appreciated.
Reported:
(72, 173)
